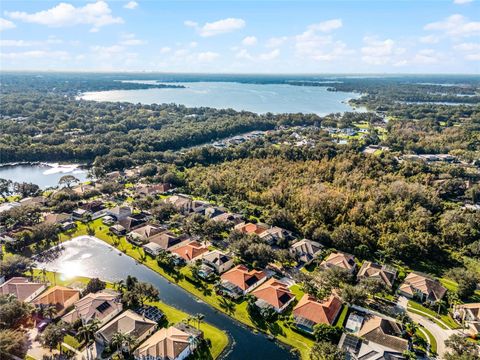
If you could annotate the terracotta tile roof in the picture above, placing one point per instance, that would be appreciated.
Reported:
(242, 277)
(344, 261)
(274, 292)
(249, 228)
(384, 332)
(60, 296)
(424, 284)
(190, 251)
(323, 312)
(166, 343)
(21, 287)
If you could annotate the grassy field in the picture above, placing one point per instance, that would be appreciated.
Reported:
(428, 338)
(218, 338)
(206, 292)
(445, 318)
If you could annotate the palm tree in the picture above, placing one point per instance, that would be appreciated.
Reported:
(88, 330)
(117, 340)
(120, 285)
(47, 311)
(411, 328)
(199, 318)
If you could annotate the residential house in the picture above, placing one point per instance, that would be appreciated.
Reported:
(250, 228)
(140, 235)
(101, 306)
(205, 272)
(181, 202)
(340, 260)
(22, 288)
(273, 293)
(169, 343)
(128, 322)
(190, 251)
(57, 219)
(133, 221)
(383, 273)
(33, 201)
(306, 250)
(117, 229)
(310, 312)
(422, 287)
(357, 348)
(81, 214)
(150, 312)
(469, 315)
(168, 241)
(153, 189)
(384, 332)
(228, 218)
(152, 249)
(120, 212)
(217, 260)
(239, 281)
(61, 297)
(276, 235)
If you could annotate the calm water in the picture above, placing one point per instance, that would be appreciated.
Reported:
(90, 257)
(44, 175)
(275, 98)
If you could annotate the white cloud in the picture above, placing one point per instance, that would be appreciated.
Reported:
(471, 51)
(165, 50)
(36, 54)
(327, 26)
(96, 14)
(207, 56)
(29, 43)
(426, 56)
(455, 25)
(131, 5)
(131, 40)
(462, 2)
(270, 55)
(249, 41)
(6, 24)
(380, 52)
(276, 41)
(217, 27)
(316, 45)
(429, 39)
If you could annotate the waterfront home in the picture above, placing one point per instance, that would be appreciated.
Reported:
(61, 297)
(358, 348)
(133, 221)
(120, 212)
(169, 343)
(205, 272)
(128, 322)
(383, 273)
(306, 250)
(139, 235)
(22, 288)
(310, 312)
(57, 219)
(168, 241)
(151, 312)
(152, 249)
(273, 293)
(101, 306)
(190, 251)
(152, 189)
(217, 260)
(239, 281)
(421, 287)
(340, 260)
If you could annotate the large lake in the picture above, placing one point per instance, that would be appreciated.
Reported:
(44, 175)
(274, 98)
(91, 257)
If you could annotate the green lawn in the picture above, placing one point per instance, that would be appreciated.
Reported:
(218, 338)
(342, 317)
(206, 293)
(446, 318)
(431, 339)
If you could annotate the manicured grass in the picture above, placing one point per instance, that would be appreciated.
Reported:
(342, 317)
(446, 318)
(205, 292)
(218, 338)
(297, 291)
(70, 340)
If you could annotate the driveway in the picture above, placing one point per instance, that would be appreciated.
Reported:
(35, 349)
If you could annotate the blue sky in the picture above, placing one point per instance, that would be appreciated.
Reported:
(408, 36)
